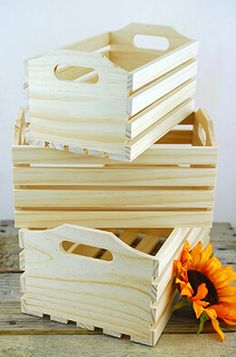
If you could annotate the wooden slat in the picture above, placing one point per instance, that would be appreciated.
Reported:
(108, 176)
(162, 86)
(155, 155)
(148, 243)
(136, 146)
(177, 137)
(152, 70)
(13, 322)
(127, 237)
(113, 198)
(100, 219)
(158, 109)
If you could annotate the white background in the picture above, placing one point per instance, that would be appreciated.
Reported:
(30, 27)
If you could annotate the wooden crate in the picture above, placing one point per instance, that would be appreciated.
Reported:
(171, 184)
(105, 95)
(91, 277)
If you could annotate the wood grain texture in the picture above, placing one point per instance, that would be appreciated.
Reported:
(84, 292)
(109, 219)
(137, 124)
(9, 248)
(104, 346)
(109, 91)
(26, 335)
(114, 176)
(171, 184)
(117, 199)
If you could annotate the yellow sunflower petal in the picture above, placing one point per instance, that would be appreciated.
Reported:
(211, 267)
(203, 303)
(227, 291)
(206, 254)
(228, 299)
(226, 312)
(211, 313)
(216, 326)
(177, 267)
(229, 322)
(215, 323)
(186, 256)
(202, 292)
(180, 271)
(225, 277)
(181, 283)
(185, 252)
(187, 291)
(196, 254)
(198, 309)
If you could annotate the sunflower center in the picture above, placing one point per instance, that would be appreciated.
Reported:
(196, 278)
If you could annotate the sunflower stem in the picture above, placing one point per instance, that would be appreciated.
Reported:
(180, 304)
(203, 319)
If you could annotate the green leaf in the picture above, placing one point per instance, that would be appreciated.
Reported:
(181, 303)
(203, 319)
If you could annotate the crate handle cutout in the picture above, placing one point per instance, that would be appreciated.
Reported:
(202, 134)
(67, 64)
(102, 242)
(151, 42)
(204, 128)
(128, 33)
(76, 74)
(85, 250)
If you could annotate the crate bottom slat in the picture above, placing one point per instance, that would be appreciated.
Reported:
(153, 333)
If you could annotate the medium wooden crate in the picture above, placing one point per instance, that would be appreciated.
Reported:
(117, 101)
(91, 277)
(171, 184)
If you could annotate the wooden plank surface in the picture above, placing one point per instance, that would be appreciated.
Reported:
(114, 176)
(15, 327)
(116, 198)
(157, 154)
(107, 219)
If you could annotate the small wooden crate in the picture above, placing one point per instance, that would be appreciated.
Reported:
(171, 184)
(123, 285)
(117, 101)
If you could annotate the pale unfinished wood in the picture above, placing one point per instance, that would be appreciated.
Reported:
(12, 322)
(108, 96)
(116, 199)
(119, 295)
(171, 184)
(113, 176)
(99, 219)
(181, 326)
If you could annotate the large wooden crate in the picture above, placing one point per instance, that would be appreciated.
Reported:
(123, 285)
(105, 95)
(171, 184)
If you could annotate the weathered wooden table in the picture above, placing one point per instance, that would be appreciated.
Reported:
(24, 336)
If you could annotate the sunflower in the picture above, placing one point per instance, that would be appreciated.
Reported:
(205, 285)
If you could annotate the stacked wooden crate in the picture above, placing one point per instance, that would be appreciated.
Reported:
(114, 144)
(117, 101)
(172, 184)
